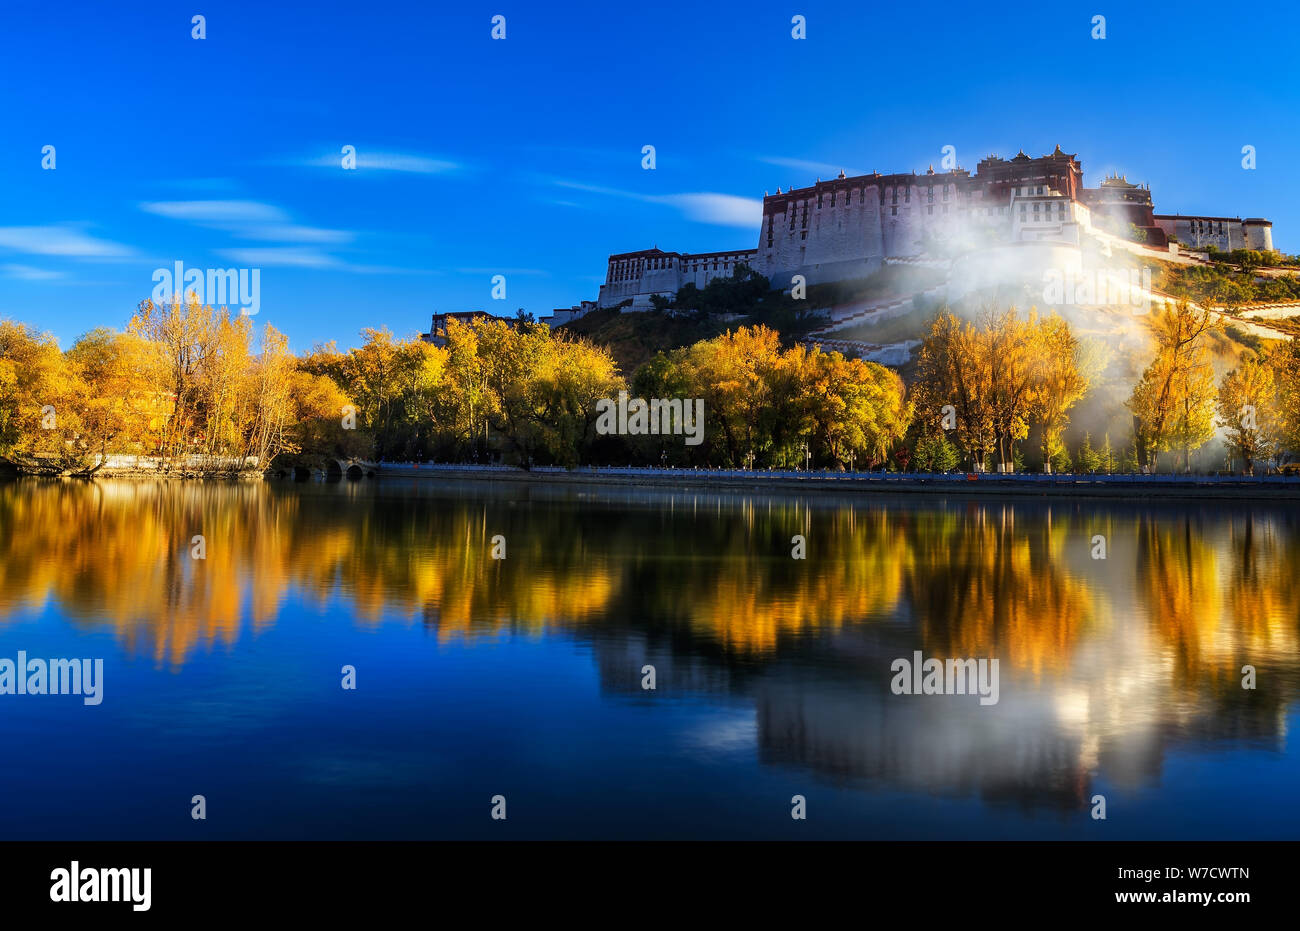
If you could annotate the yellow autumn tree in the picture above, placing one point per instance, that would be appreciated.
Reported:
(39, 416)
(1065, 370)
(1173, 401)
(1247, 408)
(986, 382)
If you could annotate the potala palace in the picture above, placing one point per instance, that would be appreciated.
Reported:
(846, 228)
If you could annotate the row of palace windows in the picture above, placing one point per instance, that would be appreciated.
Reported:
(891, 192)
(988, 212)
(704, 266)
(631, 271)
(1023, 190)
(893, 212)
(1060, 211)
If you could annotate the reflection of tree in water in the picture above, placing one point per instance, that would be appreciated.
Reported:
(983, 583)
(1178, 576)
(119, 552)
(1222, 597)
(1264, 588)
(703, 586)
(1097, 693)
(705, 573)
(729, 577)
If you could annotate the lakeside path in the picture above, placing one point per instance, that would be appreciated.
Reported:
(1272, 487)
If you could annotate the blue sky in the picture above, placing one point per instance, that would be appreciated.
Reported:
(522, 157)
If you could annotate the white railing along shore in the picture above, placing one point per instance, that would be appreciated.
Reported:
(861, 476)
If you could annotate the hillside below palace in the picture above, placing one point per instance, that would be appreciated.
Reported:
(845, 228)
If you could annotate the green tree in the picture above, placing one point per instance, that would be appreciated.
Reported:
(1089, 459)
(1107, 457)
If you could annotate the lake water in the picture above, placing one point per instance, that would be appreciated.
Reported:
(522, 677)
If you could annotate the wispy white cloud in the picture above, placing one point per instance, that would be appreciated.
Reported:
(703, 207)
(505, 271)
(604, 155)
(247, 219)
(293, 232)
(287, 243)
(311, 258)
(823, 170)
(370, 159)
(60, 240)
(283, 256)
(29, 273)
(718, 209)
(597, 189)
(217, 212)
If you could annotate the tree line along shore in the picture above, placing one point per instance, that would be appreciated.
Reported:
(197, 390)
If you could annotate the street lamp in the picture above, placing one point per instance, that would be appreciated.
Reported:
(807, 456)
(749, 460)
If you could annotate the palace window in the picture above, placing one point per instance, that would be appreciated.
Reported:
(893, 211)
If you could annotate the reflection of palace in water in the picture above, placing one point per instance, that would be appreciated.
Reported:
(1105, 665)
(1039, 747)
